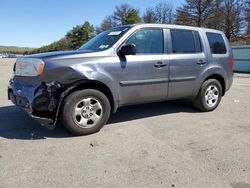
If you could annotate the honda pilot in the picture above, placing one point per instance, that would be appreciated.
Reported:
(122, 66)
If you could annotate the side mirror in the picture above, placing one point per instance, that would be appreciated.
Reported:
(128, 49)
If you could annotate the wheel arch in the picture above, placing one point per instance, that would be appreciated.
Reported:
(220, 79)
(87, 84)
(94, 84)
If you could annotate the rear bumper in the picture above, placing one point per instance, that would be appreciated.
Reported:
(35, 99)
(229, 82)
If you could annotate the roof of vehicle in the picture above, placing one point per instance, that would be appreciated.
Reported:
(172, 26)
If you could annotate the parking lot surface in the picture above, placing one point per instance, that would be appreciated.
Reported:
(167, 144)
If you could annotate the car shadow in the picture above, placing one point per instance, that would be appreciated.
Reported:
(16, 124)
(129, 113)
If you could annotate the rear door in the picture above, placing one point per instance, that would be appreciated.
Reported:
(187, 60)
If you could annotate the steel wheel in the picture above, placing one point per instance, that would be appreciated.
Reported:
(212, 96)
(88, 112)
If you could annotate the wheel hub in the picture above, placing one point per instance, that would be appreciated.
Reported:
(87, 112)
(212, 95)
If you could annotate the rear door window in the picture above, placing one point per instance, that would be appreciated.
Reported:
(217, 43)
(184, 41)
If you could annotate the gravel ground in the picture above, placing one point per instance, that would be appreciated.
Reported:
(165, 144)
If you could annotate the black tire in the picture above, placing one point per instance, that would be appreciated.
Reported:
(69, 106)
(200, 101)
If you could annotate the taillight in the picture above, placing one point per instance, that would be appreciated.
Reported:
(232, 66)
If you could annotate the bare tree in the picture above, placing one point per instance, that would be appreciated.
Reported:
(106, 24)
(162, 13)
(217, 17)
(149, 16)
(226, 15)
(195, 12)
(233, 17)
(247, 16)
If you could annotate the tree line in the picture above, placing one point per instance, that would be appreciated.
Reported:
(230, 16)
(14, 50)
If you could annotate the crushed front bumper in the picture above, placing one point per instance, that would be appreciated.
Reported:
(39, 100)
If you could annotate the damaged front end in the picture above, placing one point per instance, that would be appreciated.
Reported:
(33, 88)
(40, 101)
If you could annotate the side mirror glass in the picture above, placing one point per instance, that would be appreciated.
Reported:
(128, 49)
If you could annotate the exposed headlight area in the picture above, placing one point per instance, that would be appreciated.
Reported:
(28, 67)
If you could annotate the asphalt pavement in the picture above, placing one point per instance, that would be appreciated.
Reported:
(167, 144)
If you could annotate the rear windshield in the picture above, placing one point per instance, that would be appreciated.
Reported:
(217, 43)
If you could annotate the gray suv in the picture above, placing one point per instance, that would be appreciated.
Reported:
(123, 66)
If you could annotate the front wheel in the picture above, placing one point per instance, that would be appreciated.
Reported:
(209, 96)
(85, 112)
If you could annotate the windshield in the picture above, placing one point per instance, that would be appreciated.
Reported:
(106, 39)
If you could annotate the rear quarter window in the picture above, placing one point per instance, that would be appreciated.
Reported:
(217, 43)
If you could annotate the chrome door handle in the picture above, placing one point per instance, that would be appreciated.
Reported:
(160, 64)
(201, 62)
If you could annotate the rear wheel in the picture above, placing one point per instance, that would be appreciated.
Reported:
(85, 112)
(209, 96)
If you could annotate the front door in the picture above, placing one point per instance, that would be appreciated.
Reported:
(144, 76)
